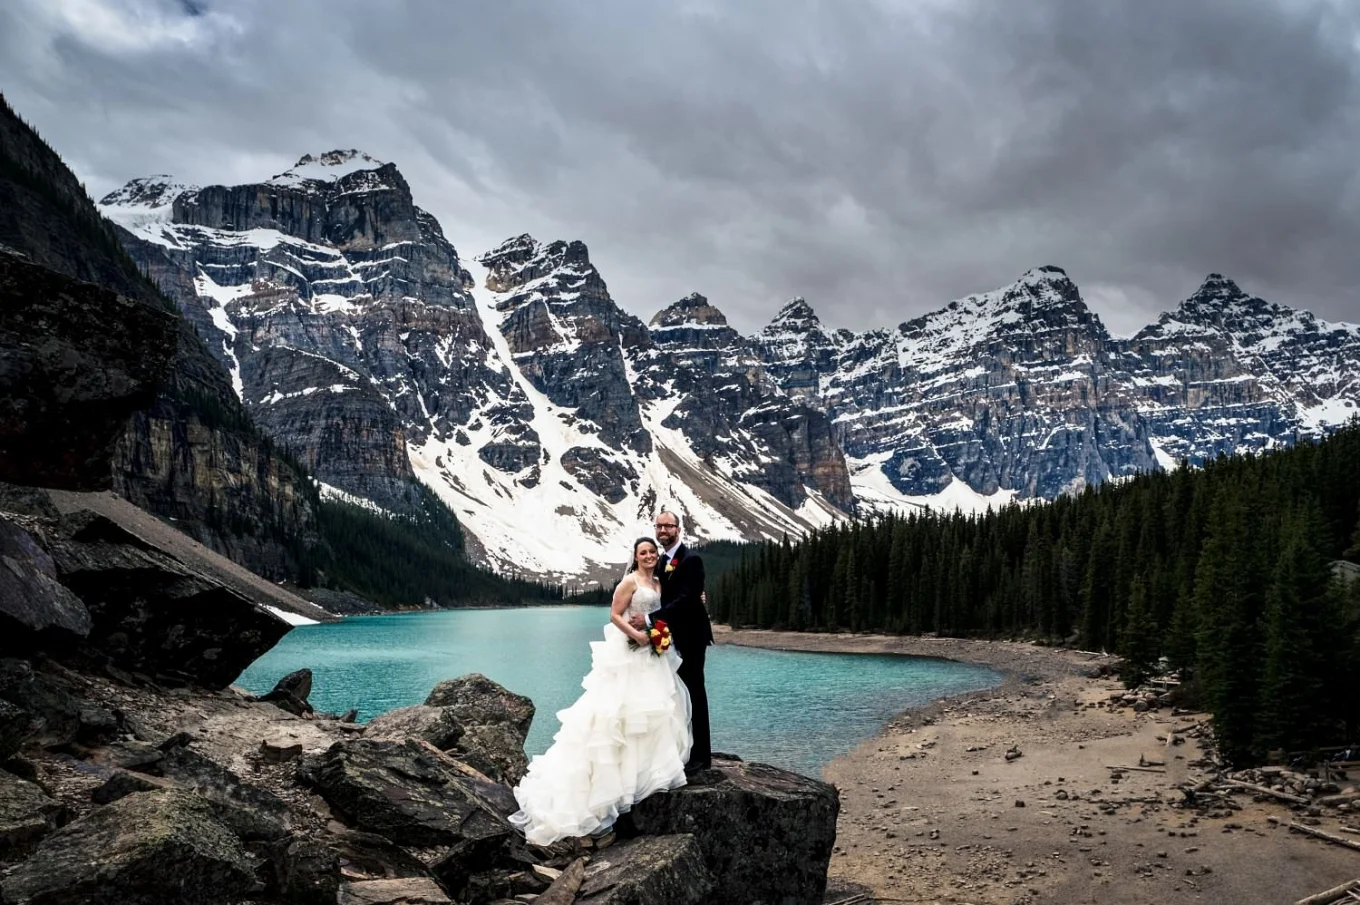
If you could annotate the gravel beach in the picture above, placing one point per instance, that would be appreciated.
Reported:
(933, 811)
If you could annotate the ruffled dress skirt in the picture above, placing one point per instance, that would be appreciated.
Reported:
(626, 737)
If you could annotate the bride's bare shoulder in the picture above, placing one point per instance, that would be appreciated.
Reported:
(627, 583)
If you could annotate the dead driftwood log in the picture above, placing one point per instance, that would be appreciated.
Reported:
(1140, 769)
(1335, 894)
(1262, 790)
(1335, 840)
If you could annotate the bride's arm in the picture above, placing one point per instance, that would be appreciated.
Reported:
(623, 595)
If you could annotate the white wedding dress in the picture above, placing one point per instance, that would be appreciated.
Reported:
(626, 737)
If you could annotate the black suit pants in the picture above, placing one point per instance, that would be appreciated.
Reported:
(692, 674)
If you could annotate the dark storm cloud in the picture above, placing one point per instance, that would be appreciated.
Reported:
(879, 159)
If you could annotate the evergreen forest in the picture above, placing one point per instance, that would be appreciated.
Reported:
(398, 561)
(1228, 572)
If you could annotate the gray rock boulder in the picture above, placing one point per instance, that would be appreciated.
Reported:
(16, 726)
(306, 872)
(495, 722)
(650, 870)
(249, 810)
(151, 848)
(291, 692)
(406, 792)
(436, 725)
(54, 714)
(368, 856)
(154, 614)
(27, 814)
(32, 599)
(766, 834)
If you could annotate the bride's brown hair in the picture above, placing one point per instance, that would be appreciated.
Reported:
(632, 566)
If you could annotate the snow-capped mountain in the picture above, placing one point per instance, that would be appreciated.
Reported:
(1007, 392)
(1022, 393)
(554, 423)
(548, 419)
(1251, 352)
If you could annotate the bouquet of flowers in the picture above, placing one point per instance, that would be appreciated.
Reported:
(660, 637)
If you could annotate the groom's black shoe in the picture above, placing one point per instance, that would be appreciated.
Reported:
(697, 767)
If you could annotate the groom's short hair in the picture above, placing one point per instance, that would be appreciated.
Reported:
(678, 524)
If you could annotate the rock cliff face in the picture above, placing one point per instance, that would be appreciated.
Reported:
(732, 412)
(337, 305)
(76, 361)
(1006, 390)
(192, 454)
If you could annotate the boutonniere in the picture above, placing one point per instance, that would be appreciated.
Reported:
(670, 567)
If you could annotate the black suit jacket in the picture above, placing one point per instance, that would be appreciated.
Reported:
(681, 607)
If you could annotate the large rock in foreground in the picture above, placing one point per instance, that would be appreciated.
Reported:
(151, 848)
(152, 613)
(656, 870)
(436, 725)
(406, 792)
(32, 600)
(76, 361)
(27, 814)
(766, 833)
(495, 724)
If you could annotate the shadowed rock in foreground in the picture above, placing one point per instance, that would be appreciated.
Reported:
(655, 870)
(151, 847)
(766, 834)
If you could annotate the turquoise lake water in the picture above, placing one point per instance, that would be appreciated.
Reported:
(793, 710)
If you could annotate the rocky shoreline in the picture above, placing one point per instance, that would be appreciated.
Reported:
(1007, 796)
(132, 772)
(118, 788)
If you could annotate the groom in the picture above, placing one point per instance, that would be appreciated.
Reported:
(682, 608)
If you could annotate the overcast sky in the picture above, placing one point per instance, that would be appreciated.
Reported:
(878, 158)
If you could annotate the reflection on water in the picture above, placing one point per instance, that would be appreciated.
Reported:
(794, 710)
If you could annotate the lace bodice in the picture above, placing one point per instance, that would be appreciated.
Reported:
(644, 601)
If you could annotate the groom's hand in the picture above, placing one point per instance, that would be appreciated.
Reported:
(637, 622)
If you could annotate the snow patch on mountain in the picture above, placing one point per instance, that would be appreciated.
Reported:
(553, 526)
(877, 495)
(328, 167)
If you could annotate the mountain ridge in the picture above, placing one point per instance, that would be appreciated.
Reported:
(508, 378)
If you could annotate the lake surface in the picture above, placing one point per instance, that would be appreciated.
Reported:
(793, 710)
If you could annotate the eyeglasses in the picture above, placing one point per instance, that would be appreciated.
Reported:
(667, 525)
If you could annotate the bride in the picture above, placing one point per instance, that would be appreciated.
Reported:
(627, 735)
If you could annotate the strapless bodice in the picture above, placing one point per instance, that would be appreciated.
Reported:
(644, 601)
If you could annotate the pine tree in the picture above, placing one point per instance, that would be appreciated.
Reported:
(1098, 591)
(1138, 640)
(1227, 600)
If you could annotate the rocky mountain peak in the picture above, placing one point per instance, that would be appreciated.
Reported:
(351, 174)
(1217, 286)
(147, 192)
(1046, 286)
(692, 326)
(1219, 302)
(692, 309)
(328, 167)
(519, 262)
(796, 313)
(1043, 301)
